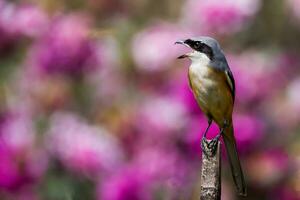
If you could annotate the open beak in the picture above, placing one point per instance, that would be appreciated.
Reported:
(183, 43)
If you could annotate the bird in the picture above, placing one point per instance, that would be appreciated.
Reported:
(213, 86)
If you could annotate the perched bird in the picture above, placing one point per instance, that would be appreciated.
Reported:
(213, 86)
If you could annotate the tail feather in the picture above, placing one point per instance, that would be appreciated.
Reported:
(235, 165)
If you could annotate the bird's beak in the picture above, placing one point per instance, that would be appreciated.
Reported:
(183, 43)
(182, 56)
(180, 42)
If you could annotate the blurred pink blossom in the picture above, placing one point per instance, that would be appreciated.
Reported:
(164, 166)
(284, 109)
(294, 8)
(254, 74)
(153, 48)
(159, 115)
(267, 167)
(194, 132)
(107, 81)
(7, 40)
(211, 16)
(293, 96)
(66, 48)
(248, 130)
(27, 20)
(22, 163)
(153, 169)
(286, 192)
(27, 193)
(17, 133)
(81, 147)
(128, 184)
(178, 88)
(30, 21)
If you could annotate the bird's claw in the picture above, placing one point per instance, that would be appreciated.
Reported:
(210, 147)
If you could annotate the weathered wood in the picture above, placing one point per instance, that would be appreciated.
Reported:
(210, 173)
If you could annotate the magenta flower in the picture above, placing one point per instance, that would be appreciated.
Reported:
(26, 20)
(286, 192)
(153, 49)
(164, 166)
(248, 130)
(29, 21)
(194, 132)
(66, 48)
(178, 88)
(108, 81)
(159, 116)
(22, 163)
(81, 147)
(153, 170)
(128, 184)
(254, 74)
(27, 193)
(211, 16)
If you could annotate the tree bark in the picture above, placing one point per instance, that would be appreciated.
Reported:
(210, 173)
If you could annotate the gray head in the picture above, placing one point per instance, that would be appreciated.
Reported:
(205, 49)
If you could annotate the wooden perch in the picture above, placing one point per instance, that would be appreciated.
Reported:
(210, 173)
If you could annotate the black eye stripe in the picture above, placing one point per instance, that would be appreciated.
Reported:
(208, 51)
(201, 47)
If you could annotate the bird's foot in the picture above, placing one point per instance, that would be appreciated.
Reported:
(210, 147)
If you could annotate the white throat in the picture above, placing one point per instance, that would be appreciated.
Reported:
(199, 58)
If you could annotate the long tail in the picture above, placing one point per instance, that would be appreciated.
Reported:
(235, 165)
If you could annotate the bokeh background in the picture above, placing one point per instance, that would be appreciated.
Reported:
(94, 104)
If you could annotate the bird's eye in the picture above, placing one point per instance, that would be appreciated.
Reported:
(197, 45)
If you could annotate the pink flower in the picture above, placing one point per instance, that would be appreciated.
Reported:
(210, 16)
(29, 21)
(153, 49)
(293, 96)
(194, 132)
(27, 193)
(22, 163)
(267, 167)
(254, 74)
(248, 131)
(7, 40)
(285, 192)
(26, 20)
(153, 170)
(164, 166)
(107, 81)
(81, 147)
(284, 109)
(178, 88)
(66, 49)
(293, 8)
(160, 116)
(128, 184)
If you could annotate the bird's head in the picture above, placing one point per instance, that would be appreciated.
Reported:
(204, 49)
